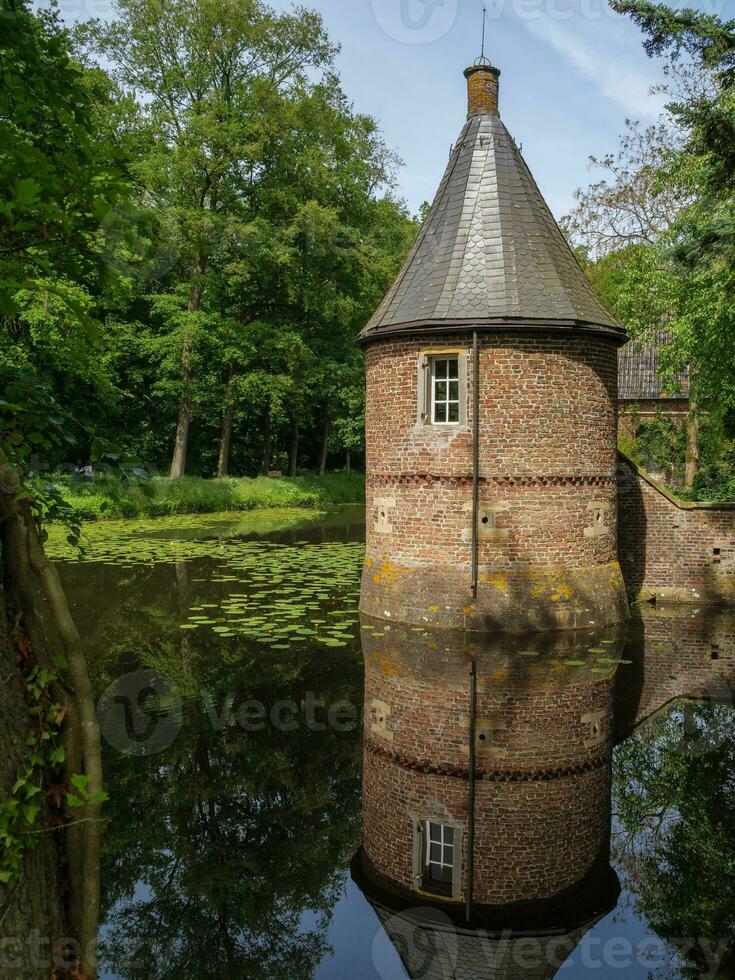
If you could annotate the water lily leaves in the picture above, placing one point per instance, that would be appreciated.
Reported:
(282, 594)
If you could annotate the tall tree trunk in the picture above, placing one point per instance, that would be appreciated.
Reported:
(265, 463)
(293, 456)
(86, 718)
(325, 444)
(178, 462)
(223, 464)
(33, 907)
(692, 463)
(348, 460)
(22, 551)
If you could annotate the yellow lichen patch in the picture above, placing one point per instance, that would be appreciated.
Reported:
(433, 609)
(386, 664)
(388, 572)
(498, 582)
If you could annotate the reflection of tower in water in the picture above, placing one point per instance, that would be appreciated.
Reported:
(506, 886)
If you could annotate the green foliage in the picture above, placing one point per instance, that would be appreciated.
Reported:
(660, 447)
(81, 795)
(265, 189)
(693, 260)
(111, 498)
(673, 789)
(20, 812)
(58, 179)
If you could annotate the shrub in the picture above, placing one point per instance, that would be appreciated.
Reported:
(108, 498)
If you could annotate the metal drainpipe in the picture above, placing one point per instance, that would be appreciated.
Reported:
(475, 458)
(471, 821)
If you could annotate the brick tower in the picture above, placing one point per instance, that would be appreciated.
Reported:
(535, 831)
(491, 410)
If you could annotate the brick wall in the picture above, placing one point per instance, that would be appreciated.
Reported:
(678, 651)
(543, 768)
(548, 485)
(672, 549)
(526, 830)
(543, 762)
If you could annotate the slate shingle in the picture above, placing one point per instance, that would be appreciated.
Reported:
(490, 248)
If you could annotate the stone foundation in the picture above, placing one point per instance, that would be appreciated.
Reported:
(513, 599)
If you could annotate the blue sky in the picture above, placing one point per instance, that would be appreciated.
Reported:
(572, 73)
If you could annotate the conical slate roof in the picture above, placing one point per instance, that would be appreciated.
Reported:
(490, 251)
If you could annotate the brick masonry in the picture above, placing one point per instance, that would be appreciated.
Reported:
(543, 762)
(546, 730)
(671, 549)
(548, 486)
(482, 90)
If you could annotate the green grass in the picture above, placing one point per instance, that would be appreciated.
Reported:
(193, 495)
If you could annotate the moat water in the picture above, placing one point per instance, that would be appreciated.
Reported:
(228, 658)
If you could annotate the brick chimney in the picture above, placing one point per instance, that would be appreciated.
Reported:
(482, 90)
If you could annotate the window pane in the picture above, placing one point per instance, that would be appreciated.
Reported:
(454, 391)
(435, 832)
(453, 368)
(440, 369)
(453, 412)
(440, 392)
(435, 853)
(440, 412)
(443, 875)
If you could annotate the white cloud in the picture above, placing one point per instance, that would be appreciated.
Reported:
(607, 59)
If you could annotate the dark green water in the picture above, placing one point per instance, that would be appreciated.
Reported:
(230, 674)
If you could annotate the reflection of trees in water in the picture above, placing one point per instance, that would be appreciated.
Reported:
(215, 849)
(674, 795)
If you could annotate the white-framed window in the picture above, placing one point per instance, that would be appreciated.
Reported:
(439, 855)
(442, 387)
(444, 390)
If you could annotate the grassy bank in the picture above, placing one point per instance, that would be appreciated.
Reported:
(192, 495)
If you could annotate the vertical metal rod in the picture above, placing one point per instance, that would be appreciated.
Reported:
(471, 820)
(475, 458)
(484, 18)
